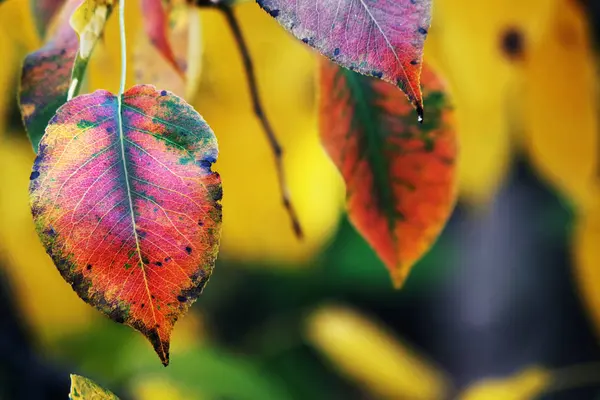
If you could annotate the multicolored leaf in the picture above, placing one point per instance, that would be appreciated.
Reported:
(156, 23)
(83, 388)
(399, 174)
(126, 204)
(381, 38)
(47, 73)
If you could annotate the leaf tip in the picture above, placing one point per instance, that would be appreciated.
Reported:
(399, 274)
(420, 113)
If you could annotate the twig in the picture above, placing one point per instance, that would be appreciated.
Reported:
(276, 148)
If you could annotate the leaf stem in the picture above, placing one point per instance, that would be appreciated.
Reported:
(123, 47)
(260, 113)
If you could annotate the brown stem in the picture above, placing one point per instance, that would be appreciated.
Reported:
(226, 8)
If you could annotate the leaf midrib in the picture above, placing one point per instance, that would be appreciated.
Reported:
(131, 209)
(387, 41)
(373, 151)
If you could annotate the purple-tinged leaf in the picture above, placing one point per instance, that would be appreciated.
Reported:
(380, 38)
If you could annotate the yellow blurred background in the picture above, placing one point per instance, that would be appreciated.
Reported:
(317, 318)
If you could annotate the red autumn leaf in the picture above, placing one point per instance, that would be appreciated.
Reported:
(399, 174)
(156, 25)
(126, 204)
(381, 38)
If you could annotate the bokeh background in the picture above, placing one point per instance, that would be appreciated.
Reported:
(505, 306)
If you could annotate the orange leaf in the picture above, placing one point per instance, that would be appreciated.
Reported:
(400, 175)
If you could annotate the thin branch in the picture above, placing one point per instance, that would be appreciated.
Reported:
(260, 113)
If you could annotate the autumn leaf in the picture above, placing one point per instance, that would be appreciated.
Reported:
(367, 352)
(85, 389)
(561, 137)
(126, 204)
(185, 34)
(484, 85)
(88, 21)
(156, 24)
(382, 38)
(48, 308)
(527, 384)
(55, 72)
(399, 174)
(587, 258)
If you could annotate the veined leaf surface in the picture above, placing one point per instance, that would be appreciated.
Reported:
(83, 388)
(381, 38)
(125, 202)
(48, 72)
(399, 174)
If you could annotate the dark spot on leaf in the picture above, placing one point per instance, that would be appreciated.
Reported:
(163, 93)
(422, 31)
(158, 264)
(188, 249)
(414, 62)
(200, 223)
(273, 13)
(142, 305)
(34, 175)
(305, 40)
(377, 74)
(336, 52)
(205, 164)
(109, 129)
(181, 298)
(89, 266)
(512, 43)
(167, 259)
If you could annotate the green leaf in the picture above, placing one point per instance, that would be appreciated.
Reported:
(85, 389)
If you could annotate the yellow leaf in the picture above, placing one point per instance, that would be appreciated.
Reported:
(51, 307)
(561, 111)
(85, 389)
(8, 74)
(365, 352)
(525, 385)
(88, 21)
(256, 226)
(17, 25)
(466, 45)
(160, 388)
(587, 261)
